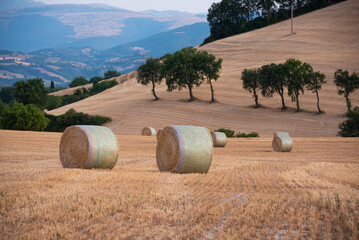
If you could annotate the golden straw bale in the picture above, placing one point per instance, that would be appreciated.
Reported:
(219, 139)
(83, 146)
(184, 149)
(282, 142)
(148, 131)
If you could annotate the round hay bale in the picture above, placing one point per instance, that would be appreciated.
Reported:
(83, 146)
(282, 142)
(219, 139)
(184, 149)
(158, 133)
(148, 131)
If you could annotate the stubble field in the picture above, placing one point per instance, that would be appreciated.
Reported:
(250, 192)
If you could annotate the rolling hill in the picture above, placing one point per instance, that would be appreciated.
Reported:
(327, 39)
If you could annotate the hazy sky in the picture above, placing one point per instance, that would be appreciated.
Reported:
(193, 6)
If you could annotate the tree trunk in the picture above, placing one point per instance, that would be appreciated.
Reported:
(255, 98)
(153, 91)
(282, 97)
(212, 91)
(349, 105)
(292, 9)
(297, 98)
(318, 102)
(191, 98)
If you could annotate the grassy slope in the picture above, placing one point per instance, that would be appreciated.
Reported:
(327, 39)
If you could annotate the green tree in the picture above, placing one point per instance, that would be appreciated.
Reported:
(314, 83)
(182, 70)
(350, 127)
(111, 73)
(210, 68)
(52, 85)
(251, 82)
(296, 74)
(95, 79)
(149, 72)
(53, 102)
(31, 91)
(7, 94)
(78, 81)
(346, 84)
(272, 80)
(17, 116)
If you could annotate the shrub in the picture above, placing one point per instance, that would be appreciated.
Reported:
(53, 102)
(31, 91)
(17, 116)
(102, 86)
(245, 135)
(229, 133)
(71, 117)
(350, 127)
(78, 81)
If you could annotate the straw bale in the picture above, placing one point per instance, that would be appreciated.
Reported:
(282, 142)
(84, 146)
(219, 139)
(158, 133)
(184, 149)
(148, 131)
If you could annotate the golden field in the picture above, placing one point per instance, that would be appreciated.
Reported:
(250, 192)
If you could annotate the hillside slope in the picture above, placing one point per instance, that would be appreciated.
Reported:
(327, 39)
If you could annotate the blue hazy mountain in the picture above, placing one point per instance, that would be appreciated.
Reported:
(74, 25)
(61, 65)
(12, 4)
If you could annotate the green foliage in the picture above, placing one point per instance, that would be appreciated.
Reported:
(314, 83)
(149, 72)
(7, 94)
(31, 91)
(102, 86)
(78, 81)
(350, 127)
(2, 107)
(111, 73)
(52, 85)
(272, 80)
(183, 69)
(229, 133)
(346, 84)
(71, 117)
(51, 90)
(251, 82)
(230, 17)
(247, 135)
(210, 67)
(18, 116)
(296, 74)
(95, 79)
(53, 102)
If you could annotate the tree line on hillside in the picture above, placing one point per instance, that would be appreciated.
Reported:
(186, 68)
(295, 76)
(22, 105)
(231, 17)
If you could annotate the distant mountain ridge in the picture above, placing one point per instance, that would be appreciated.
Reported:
(62, 65)
(74, 25)
(13, 4)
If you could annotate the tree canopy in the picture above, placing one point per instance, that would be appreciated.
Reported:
(314, 83)
(79, 81)
(31, 91)
(111, 73)
(346, 84)
(251, 82)
(149, 72)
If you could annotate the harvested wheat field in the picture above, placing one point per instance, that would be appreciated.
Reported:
(327, 39)
(250, 192)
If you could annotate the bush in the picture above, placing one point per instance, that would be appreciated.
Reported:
(78, 81)
(350, 127)
(102, 86)
(53, 102)
(71, 117)
(17, 116)
(31, 91)
(229, 133)
(245, 135)
(7, 94)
